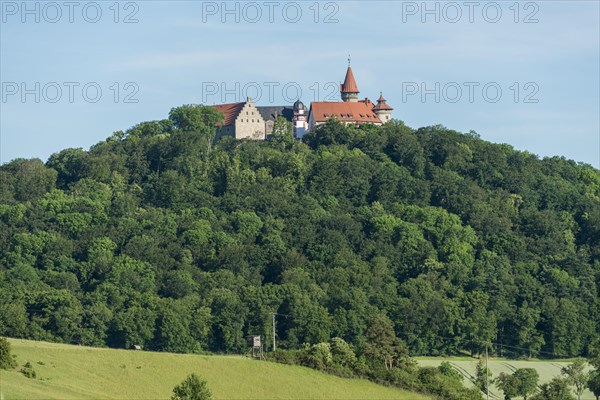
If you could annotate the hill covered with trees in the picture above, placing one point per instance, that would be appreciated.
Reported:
(161, 238)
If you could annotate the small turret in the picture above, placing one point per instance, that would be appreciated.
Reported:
(382, 109)
(299, 119)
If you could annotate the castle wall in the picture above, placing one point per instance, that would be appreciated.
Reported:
(385, 116)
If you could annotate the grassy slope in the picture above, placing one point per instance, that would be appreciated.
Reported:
(546, 369)
(74, 372)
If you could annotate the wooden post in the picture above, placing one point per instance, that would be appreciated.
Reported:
(274, 331)
(487, 374)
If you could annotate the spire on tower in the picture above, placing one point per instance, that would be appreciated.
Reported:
(349, 89)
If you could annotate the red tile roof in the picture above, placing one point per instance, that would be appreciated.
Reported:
(231, 111)
(367, 102)
(357, 112)
(349, 85)
(381, 104)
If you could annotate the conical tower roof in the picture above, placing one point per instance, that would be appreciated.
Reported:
(349, 85)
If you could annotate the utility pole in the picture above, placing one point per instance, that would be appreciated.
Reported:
(273, 314)
(487, 374)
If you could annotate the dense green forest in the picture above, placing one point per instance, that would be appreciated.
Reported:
(160, 236)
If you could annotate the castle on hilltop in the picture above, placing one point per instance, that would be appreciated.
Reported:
(245, 120)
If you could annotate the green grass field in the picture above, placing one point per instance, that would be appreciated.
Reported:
(76, 372)
(546, 369)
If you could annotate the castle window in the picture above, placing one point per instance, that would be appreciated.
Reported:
(350, 116)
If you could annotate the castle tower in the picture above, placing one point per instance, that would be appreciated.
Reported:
(383, 111)
(299, 119)
(349, 89)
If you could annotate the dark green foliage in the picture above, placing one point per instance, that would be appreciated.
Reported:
(508, 384)
(28, 371)
(382, 345)
(556, 389)
(6, 359)
(483, 376)
(337, 357)
(291, 357)
(594, 383)
(594, 375)
(157, 237)
(192, 388)
(25, 180)
(521, 383)
(526, 381)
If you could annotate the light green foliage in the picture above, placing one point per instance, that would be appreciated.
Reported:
(246, 224)
(192, 388)
(282, 135)
(196, 119)
(577, 376)
(342, 353)
(448, 370)
(192, 117)
(319, 356)
(386, 223)
(443, 386)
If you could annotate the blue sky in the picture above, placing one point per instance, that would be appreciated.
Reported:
(523, 73)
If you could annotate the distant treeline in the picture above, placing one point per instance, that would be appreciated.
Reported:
(161, 238)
